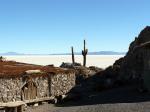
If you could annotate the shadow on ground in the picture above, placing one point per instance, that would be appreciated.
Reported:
(116, 95)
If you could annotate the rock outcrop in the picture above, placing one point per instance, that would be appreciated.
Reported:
(81, 72)
(133, 68)
(69, 65)
(135, 63)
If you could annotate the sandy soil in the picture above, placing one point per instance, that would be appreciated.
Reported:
(96, 60)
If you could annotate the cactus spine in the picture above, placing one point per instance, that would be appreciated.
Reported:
(84, 53)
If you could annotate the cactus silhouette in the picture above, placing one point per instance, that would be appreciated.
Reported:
(84, 53)
(2, 58)
(73, 60)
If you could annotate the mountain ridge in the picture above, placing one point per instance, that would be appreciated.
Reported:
(76, 53)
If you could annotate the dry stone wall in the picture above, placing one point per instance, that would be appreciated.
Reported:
(10, 89)
(19, 88)
(42, 86)
(62, 83)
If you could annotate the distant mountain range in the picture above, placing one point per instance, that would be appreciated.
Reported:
(107, 53)
(76, 53)
(95, 53)
(11, 53)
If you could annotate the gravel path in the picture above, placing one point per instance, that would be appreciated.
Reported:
(116, 100)
(119, 107)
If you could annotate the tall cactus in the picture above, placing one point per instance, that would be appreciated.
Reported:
(73, 60)
(84, 53)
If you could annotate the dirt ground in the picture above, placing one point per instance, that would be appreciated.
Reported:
(126, 99)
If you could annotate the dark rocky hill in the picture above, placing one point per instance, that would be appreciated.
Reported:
(135, 64)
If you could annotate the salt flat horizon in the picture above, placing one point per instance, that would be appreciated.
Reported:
(101, 61)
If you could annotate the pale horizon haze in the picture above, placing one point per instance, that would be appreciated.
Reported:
(101, 61)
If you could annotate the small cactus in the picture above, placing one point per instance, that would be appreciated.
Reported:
(84, 53)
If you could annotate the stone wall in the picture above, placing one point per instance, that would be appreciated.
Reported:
(42, 86)
(10, 89)
(62, 83)
(15, 88)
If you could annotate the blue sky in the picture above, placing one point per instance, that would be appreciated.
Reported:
(53, 26)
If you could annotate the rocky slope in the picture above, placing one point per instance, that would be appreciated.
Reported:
(134, 64)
